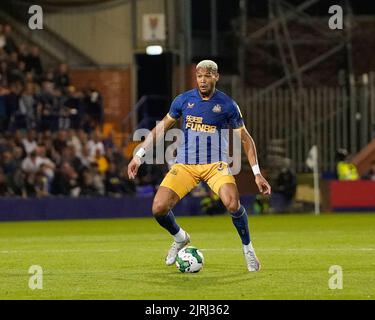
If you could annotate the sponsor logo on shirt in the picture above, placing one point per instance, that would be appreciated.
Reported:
(196, 124)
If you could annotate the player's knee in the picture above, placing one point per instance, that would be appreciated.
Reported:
(159, 208)
(232, 204)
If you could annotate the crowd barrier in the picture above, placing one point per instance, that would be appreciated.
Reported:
(56, 208)
(352, 195)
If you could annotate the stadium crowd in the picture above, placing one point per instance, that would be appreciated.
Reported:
(49, 138)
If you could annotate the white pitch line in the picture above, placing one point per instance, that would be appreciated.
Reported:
(296, 250)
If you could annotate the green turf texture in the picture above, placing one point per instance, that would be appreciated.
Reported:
(124, 258)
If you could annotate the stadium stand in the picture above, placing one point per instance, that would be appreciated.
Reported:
(51, 140)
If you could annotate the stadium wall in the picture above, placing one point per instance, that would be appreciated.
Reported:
(103, 35)
(107, 35)
(115, 87)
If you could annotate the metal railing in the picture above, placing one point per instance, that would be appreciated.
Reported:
(330, 117)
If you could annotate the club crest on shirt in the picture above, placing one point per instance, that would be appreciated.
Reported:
(190, 105)
(216, 108)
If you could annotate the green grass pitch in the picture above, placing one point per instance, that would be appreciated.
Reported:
(124, 258)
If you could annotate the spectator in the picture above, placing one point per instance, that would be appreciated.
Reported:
(27, 106)
(60, 143)
(3, 74)
(3, 108)
(2, 38)
(31, 163)
(114, 184)
(65, 181)
(88, 186)
(29, 143)
(94, 105)
(4, 189)
(23, 53)
(12, 104)
(284, 189)
(95, 145)
(74, 106)
(8, 165)
(10, 45)
(345, 170)
(34, 62)
(61, 78)
(101, 162)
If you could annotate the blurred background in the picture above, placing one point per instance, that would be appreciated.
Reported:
(73, 93)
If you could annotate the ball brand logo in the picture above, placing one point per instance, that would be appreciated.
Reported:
(174, 171)
(221, 167)
(190, 105)
(216, 108)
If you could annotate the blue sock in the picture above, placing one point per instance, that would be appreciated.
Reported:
(239, 219)
(168, 222)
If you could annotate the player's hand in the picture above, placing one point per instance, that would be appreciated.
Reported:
(133, 167)
(262, 184)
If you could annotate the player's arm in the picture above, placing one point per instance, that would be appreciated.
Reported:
(251, 153)
(154, 136)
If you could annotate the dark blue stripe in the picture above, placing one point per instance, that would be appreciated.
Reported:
(197, 150)
(219, 132)
(209, 149)
(186, 145)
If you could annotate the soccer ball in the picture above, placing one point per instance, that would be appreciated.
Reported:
(189, 260)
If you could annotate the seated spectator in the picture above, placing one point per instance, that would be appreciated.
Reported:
(114, 184)
(4, 189)
(65, 181)
(95, 145)
(29, 142)
(60, 143)
(88, 186)
(370, 175)
(8, 165)
(31, 163)
(101, 162)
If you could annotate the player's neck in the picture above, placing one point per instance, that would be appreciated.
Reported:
(207, 96)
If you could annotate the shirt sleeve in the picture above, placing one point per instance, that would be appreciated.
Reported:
(235, 116)
(175, 110)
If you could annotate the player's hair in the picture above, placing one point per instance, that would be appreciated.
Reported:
(208, 64)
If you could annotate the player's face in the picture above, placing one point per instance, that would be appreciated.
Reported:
(206, 81)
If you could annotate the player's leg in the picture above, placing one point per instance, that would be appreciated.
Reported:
(177, 183)
(221, 181)
(229, 195)
(165, 199)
